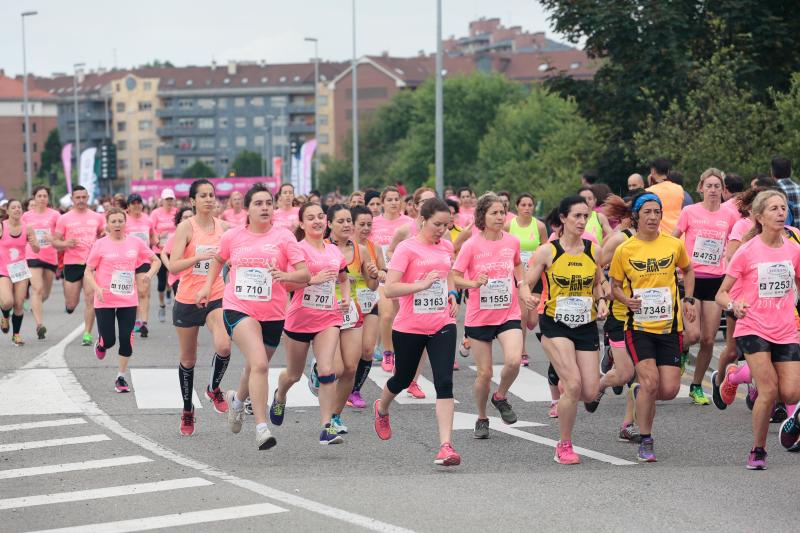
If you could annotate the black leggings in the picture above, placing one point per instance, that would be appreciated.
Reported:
(408, 348)
(162, 278)
(126, 316)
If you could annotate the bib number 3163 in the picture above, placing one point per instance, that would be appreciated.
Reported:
(431, 300)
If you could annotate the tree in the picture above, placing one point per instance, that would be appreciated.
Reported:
(787, 107)
(51, 155)
(248, 164)
(335, 173)
(159, 64)
(198, 170)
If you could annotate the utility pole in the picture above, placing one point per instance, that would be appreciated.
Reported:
(355, 104)
(28, 164)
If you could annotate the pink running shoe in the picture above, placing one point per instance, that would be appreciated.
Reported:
(455, 364)
(447, 456)
(99, 350)
(565, 455)
(727, 390)
(382, 426)
(217, 399)
(355, 400)
(187, 423)
(553, 412)
(525, 361)
(388, 362)
(414, 391)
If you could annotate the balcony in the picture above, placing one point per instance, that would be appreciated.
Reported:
(178, 112)
(300, 108)
(300, 127)
(175, 131)
(184, 152)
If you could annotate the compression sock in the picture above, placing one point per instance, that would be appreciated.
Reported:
(6, 312)
(742, 375)
(362, 371)
(16, 323)
(186, 376)
(220, 364)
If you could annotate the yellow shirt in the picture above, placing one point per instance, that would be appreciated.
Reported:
(671, 196)
(650, 270)
(570, 284)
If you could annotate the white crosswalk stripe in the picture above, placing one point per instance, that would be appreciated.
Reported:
(157, 388)
(43, 424)
(29, 445)
(72, 467)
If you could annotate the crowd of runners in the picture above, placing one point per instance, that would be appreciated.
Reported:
(617, 289)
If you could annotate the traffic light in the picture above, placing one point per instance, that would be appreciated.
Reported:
(108, 162)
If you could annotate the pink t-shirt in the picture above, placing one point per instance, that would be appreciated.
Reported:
(233, 219)
(42, 224)
(496, 302)
(740, 229)
(383, 230)
(84, 227)
(115, 263)
(12, 249)
(139, 227)
(465, 216)
(732, 206)
(250, 254)
(706, 235)
(765, 277)
(314, 308)
(424, 312)
(163, 224)
(287, 219)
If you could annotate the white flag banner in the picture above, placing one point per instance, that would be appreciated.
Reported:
(87, 176)
(296, 172)
(307, 163)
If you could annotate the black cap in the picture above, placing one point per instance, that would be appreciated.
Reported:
(133, 198)
(369, 195)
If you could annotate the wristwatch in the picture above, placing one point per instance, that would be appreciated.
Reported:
(689, 299)
(729, 307)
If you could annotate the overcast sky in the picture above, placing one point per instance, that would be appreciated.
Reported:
(198, 31)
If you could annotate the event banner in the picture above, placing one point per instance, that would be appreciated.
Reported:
(151, 189)
(66, 160)
(88, 178)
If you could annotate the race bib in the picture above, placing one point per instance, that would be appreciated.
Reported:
(656, 305)
(253, 284)
(775, 279)
(573, 311)
(708, 251)
(18, 271)
(366, 299)
(122, 282)
(41, 237)
(385, 252)
(141, 235)
(350, 318)
(431, 300)
(320, 296)
(496, 294)
(201, 268)
(524, 257)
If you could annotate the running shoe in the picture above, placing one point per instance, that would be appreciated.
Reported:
(552, 376)
(790, 430)
(16, 340)
(684, 360)
(752, 395)
(336, 423)
(382, 426)
(313, 379)
(121, 385)
(553, 412)
(388, 362)
(464, 347)
(137, 326)
(248, 406)
(594, 404)
(715, 392)
(40, 332)
(779, 414)
(377, 355)
(329, 435)
(607, 363)
(757, 459)
(455, 364)
(447, 456)
(87, 339)
(565, 455)
(277, 410)
(143, 331)
(618, 389)
(414, 391)
(629, 433)
(4, 325)
(99, 350)
(525, 361)
(162, 313)
(697, 396)
(235, 418)
(355, 400)
(646, 452)
(217, 399)
(506, 412)
(481, 428)
(727, 390)
(187, 423)
(264, 439)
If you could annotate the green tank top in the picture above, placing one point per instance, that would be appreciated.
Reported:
(528, 236)
(593, 226)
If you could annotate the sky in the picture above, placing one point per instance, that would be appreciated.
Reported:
(130, 33)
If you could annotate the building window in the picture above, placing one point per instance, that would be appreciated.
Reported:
(145, 125)
(145, 106)
(117, 87)
(33, 127)
(186, 123)
(121, 126)
(223, 103)
(223, 142)
(208, 161)
(24, 149)
(258, 122)
(223, 122)
(238, 101)
(205, 142)
(120, 107)
(323, 120)
(34, 148)
(205, 123)
(223, 161)
(206, 103)
(323, 138)
(122, 146)
(323, 99)
(258, 140)
(122, 164)
(241, 141)
(240, 122)
(145, 144)
(148, 85)
(258, 101)
(145, 163)
(278, 101)
(185, 104)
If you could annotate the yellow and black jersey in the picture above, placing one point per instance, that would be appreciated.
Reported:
(649, 271)
(618, 310)
(569, 285)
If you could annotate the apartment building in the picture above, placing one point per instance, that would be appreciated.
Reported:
(135, 104)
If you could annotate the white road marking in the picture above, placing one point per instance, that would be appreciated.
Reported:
(469, 419)
(72, 467)
(529, 386)
(29, 445)
(158, 388)
(105, 492)
(50, 398)
(173, 520)
(298, 396)
(43, 424)
(380, 377)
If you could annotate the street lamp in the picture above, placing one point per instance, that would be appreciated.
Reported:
(439, 113)
(267, 139)
(28, 168)
(75, 68)
(316, 102)
(355, 104)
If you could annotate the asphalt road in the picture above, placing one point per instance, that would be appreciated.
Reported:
(76, 456)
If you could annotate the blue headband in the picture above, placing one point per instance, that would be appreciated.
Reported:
(646, 197)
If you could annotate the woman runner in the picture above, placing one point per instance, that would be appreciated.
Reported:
(140, 226)
(285, 215)
(14, 270)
